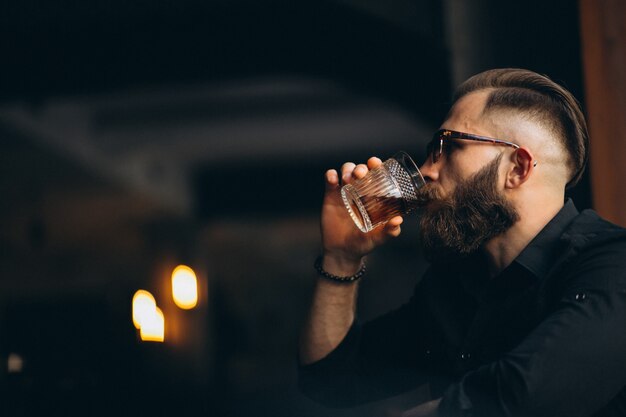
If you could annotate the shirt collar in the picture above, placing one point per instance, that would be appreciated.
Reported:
(540, 253)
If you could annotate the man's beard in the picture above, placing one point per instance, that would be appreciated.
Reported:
(455, 226)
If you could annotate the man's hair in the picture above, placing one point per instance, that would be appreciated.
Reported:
(541, 99)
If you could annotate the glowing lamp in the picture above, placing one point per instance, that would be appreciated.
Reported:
(143, 306)
(15, 363)
(184, 287)
(153, 327)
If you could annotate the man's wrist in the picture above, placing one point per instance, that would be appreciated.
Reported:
(341, 265)
(341, 279)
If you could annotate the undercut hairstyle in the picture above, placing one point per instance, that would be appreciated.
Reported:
(539, 98)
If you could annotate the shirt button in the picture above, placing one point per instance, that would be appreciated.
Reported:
(580, 296)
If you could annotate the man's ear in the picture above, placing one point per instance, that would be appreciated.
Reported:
(521, 169)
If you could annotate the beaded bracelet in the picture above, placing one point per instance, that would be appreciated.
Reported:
(336, 278)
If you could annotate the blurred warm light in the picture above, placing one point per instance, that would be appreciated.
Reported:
(15, 363)
(153, 327)
(184, 287)
(143, 307)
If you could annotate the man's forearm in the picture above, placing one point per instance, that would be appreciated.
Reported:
(330, 317)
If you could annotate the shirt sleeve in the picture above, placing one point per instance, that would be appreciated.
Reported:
(572, 364)
(375, 360)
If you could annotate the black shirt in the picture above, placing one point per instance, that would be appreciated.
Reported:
(546, 337)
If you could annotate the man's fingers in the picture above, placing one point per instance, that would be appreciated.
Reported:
(346, 172)
(395, 221)
(395, 232)
(350, 171)
(360, 171)
(392, 228)
(374, 162)
(332, 179)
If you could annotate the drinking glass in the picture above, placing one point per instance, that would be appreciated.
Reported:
(384, 192)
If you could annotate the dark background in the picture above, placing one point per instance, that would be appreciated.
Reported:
(136, 135)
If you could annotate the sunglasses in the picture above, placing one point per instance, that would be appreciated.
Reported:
(436, 146)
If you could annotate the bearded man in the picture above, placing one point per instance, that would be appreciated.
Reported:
(522, 311)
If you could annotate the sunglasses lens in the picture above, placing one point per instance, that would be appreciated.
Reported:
(436, 146)
(435, 149)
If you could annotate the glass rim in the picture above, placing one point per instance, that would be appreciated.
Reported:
(409, 165)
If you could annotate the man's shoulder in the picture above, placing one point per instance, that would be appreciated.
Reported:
(588, 230)
(595, 254)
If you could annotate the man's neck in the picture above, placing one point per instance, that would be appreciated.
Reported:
(502, 250)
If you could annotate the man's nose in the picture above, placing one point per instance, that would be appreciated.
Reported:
(430, 170)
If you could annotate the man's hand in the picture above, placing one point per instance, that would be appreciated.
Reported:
(343, 243)
(333, 306)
